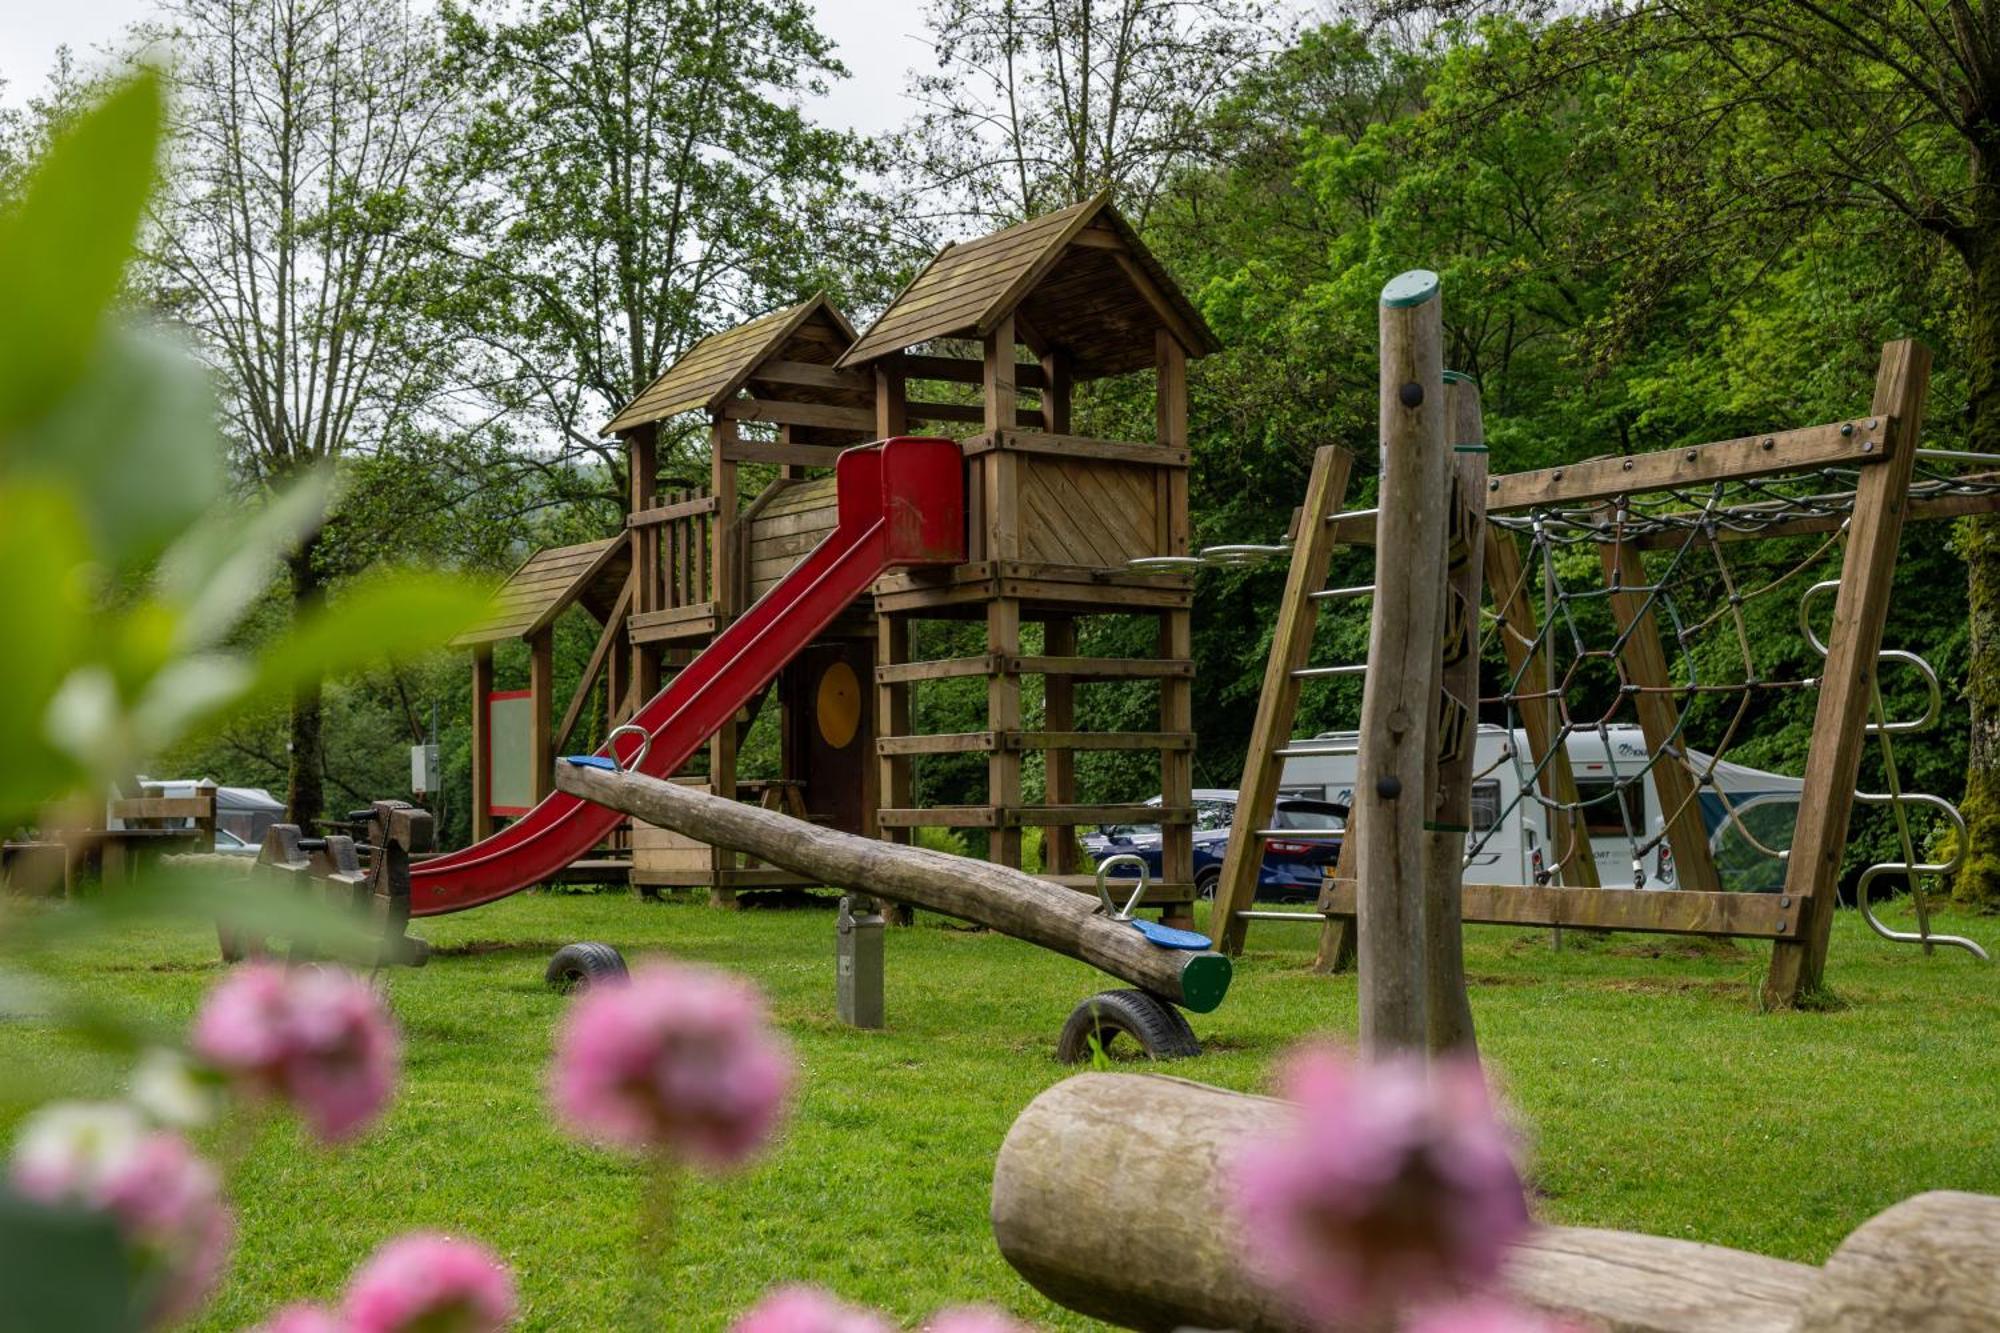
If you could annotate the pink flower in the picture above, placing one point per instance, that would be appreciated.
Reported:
(166, 1201)
(424, 1281)
(807, 1310)
(317, 1037)
(973, 1319)
(1394, 1185)
(678, 1059)
(302, 1318)
(1485, 1316)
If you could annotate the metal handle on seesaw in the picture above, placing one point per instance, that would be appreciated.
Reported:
(645, 744)
(1104, 894)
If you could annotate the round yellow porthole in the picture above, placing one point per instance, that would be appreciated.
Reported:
(838, 705)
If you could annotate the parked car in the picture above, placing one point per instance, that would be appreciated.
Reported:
(1292, 867)
(231, 845)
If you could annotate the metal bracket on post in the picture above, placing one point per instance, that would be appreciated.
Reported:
(857, 954)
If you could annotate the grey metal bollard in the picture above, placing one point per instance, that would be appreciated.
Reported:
(857, 953)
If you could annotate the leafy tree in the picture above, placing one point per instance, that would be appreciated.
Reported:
(648, 177)
(306, 201)
(1034, 106)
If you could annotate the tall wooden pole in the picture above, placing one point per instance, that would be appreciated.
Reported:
(1448, 1013)
(1397, 763)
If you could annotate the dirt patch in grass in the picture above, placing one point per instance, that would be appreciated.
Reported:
(1670, 985)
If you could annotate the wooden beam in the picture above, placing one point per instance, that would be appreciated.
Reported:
(541, 707)
(1176, 628)
(945, 668)
(1841, 443)
(1055, 393)
(789, 455)
(970, 413)
(1163, 454)
(891, 415)
(1573, 857)
(1105, 668)
(964, 370)
(1003, 714)
(1278, 699)
(1920, 508)
(614, 627)
(482, 743)
(812, 375)
(705, 504)
(799, 414)
(1643, 663)
(1847, 682)
(648, 588)
(1652, 911)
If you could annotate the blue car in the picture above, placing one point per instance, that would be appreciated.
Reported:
(1292, 869)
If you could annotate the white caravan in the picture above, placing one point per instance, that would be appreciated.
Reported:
(1510, 842)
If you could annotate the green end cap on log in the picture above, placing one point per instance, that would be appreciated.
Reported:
(1204, 981)
(1407, 289)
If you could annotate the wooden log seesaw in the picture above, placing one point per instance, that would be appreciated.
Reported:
(1002, 899)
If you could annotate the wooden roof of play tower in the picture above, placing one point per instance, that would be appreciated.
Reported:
(1078, 281)
(714, 370)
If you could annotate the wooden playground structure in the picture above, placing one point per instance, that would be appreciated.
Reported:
(1054, 522)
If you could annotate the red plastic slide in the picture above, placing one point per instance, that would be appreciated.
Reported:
(899, 502)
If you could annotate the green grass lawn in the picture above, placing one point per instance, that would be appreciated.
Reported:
(1656, 1096)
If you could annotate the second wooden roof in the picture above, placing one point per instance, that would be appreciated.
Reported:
(1080, 278)
(716, 367)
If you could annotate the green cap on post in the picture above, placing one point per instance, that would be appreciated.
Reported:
(1407, 289)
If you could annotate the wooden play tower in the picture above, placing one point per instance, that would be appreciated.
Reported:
(1054, 520)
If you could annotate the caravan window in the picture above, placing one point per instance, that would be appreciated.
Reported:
(1485, 805)
(1601, 815)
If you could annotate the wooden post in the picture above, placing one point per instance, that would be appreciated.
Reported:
(1278, 701)
(1867, 569)
(1392, 783)
(1447, 1011)
(482, 742)
(1643, 663)
(1338, 944)
(1571, 854)
(1060, 853)
(541, 701)
(1003, 717)
(1176, 639)
(1055, 393)
(642, 468)
(724, 590)
(891, 414)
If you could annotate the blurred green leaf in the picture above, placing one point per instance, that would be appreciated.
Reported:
(42, 550)
(63, 1268)
(217, 569)
(63, 249)
(383, 617)
(135, 442)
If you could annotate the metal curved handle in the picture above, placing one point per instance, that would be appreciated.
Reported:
(1104, 894)
(1933, 704)
(645, 744)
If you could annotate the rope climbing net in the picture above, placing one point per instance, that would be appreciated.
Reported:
(1699, 571)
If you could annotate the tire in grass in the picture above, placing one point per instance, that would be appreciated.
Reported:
(1205, 882)
(1159, 1028)
(577, 967)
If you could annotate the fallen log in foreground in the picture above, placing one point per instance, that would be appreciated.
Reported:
(996, 897)
(1107, 1198)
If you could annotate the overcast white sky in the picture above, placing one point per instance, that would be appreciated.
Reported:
(878, 41)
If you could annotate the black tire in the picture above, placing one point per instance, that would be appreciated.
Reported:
(1157, 1026)
(577, 967)
(1205, 882)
